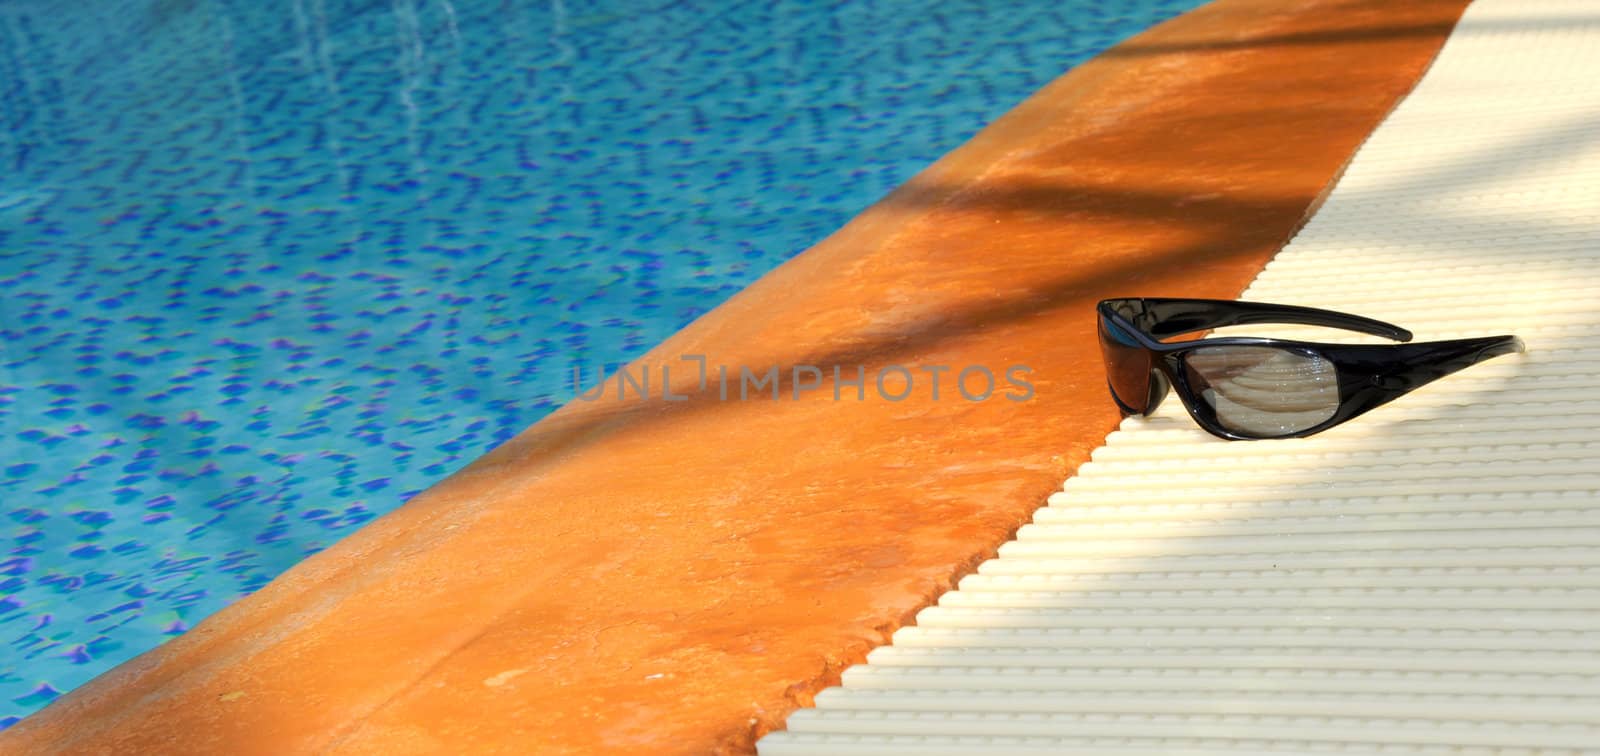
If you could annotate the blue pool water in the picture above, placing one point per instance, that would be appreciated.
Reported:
(270, 267)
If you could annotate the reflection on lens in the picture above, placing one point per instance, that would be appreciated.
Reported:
(1264, 391)
(1127, 367)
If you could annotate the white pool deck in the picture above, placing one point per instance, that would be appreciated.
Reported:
(1425, 579)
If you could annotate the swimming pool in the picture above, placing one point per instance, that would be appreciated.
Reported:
(268, 269)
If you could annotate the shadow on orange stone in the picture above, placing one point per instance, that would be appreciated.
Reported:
(656, 576)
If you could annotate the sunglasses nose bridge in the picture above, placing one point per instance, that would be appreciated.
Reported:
(1159, 388)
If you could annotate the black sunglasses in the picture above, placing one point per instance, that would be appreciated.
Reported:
(1253, 388)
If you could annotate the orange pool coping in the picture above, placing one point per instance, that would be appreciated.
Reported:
(675, 576)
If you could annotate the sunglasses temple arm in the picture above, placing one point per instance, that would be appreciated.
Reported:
(1170, 317)
(1412, 366)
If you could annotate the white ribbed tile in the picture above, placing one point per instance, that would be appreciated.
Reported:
(1422, 580)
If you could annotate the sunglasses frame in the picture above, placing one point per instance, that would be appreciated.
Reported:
(1368, 375)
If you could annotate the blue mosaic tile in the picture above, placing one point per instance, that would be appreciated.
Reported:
(269, 269)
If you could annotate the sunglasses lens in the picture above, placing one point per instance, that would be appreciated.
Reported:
(1263, 391)
(1127, 368)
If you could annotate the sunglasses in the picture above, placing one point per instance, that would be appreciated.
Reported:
(1253, 388)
